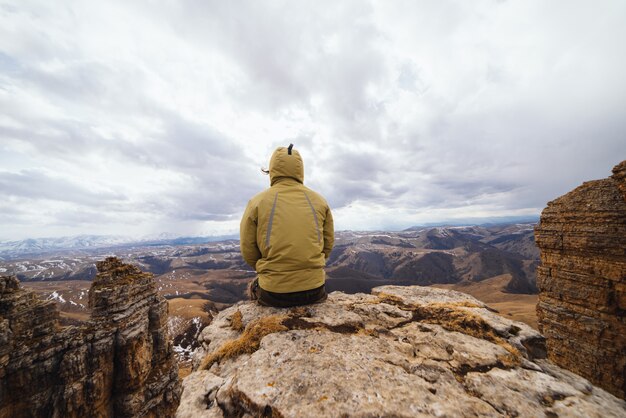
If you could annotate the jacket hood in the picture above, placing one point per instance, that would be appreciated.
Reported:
(286, 162)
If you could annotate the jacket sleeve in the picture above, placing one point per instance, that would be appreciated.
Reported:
(329, 233)
(247, 236)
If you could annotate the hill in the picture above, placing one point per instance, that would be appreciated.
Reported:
(438, 255)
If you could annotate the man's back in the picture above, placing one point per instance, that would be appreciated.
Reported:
(287, 230)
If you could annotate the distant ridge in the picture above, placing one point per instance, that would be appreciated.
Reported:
(38, 246)
(499, 220)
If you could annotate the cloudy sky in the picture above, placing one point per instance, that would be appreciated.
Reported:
(142, 117)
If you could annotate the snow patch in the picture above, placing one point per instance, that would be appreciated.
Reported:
(57, 297)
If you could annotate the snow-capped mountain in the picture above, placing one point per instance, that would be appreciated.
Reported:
(41, 245)
(37, 246)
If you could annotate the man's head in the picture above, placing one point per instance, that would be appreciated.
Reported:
(286, 162)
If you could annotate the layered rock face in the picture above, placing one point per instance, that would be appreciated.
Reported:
(400, 351)
(582, 280)
(119, 364)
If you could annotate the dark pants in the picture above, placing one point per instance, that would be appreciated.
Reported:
(285, 300)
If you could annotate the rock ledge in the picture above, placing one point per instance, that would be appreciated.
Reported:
(401, 351)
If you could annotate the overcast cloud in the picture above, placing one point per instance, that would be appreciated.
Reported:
(144, 117)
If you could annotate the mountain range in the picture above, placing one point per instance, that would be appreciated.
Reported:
(40, 246)
(359, 261)
(440, 255)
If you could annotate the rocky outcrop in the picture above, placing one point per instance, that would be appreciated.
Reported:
(118, 364)
(400, 351)
(582, 280)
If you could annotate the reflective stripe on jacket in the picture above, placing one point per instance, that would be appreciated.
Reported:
(286, 232)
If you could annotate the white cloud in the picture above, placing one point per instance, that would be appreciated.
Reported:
(144, 117)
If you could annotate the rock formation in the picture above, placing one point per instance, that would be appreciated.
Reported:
(400, 351)
(118, 364)
(582, 280)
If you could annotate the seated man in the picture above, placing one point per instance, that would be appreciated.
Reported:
(286, 236)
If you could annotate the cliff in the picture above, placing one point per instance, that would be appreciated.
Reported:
(582, 280)
(400, 351)
(118, 364)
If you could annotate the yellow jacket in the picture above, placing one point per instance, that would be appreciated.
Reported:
(286, 232)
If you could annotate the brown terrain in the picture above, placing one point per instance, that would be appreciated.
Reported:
(491, 291)
(495, 263)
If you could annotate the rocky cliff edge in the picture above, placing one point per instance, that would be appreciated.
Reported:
(582, 280)
(118, 364)
(400, 351)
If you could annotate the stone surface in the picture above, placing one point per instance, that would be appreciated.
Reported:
(200, 395)
(582, 280)
(118, 364)
(401, 351)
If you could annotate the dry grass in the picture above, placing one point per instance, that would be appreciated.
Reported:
(184, 371)
(451, 318)
(463, 304)
(399, 302)
(248, 342)
(187, 308)
(236, 322)
(370, 332)
(394, 300)
(524, 310)
(518, 307)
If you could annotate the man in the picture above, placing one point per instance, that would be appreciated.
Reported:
(286, 235)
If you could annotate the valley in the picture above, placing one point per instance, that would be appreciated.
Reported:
(494, 263)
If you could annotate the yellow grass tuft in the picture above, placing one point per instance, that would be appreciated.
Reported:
(369, 332)
(393, 300)
(236, 322)
(248, 342)
(450, 317)
(453, 319)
